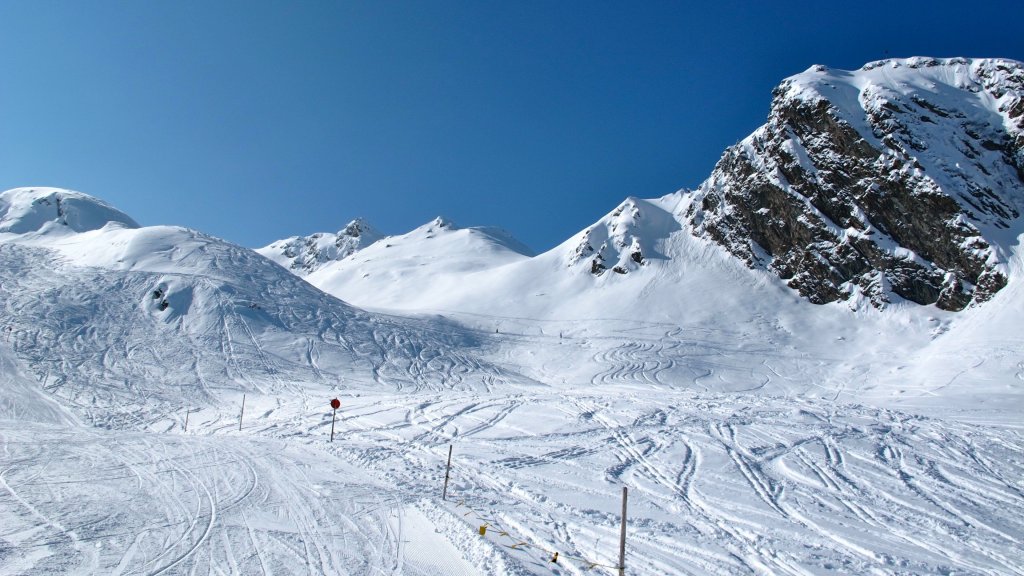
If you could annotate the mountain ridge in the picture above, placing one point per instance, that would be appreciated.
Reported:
(898, 182)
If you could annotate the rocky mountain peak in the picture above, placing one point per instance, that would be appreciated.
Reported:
(355, 228)
(624, 239)
(901, 180)
(304, 255)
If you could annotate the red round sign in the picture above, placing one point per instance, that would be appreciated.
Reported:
(335, 403)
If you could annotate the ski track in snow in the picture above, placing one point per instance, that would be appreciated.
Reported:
(722, 482)
(198, 504)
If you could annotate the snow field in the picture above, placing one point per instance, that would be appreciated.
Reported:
(720, 483)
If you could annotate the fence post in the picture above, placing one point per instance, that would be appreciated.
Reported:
(241, 414)
(444, 495)
(622, 536)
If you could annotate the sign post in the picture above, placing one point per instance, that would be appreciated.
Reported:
(335, 404)
(444, 494)
(622, 536)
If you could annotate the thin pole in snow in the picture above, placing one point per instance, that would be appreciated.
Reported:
(242, 414)
(444, 495)
(334, 414)
(187, 410)
(622, 536)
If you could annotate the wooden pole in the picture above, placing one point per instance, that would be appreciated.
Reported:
(334, 414)
(186, 419)
(447, 470)
(242, 414)
(622, 536)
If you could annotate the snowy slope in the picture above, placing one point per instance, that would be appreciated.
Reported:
(86, 500)
(656, 322)
(23, 400)
(440, 267)
(976, 369)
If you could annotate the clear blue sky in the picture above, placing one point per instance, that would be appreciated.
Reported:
(259, 120)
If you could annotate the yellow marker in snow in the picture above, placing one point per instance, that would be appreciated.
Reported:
(483, 530)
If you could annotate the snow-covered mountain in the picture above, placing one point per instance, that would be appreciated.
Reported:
(901, 180)
(106, 312)
(892, 192)
(307, 254)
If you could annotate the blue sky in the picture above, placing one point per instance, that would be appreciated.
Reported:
(255, 121)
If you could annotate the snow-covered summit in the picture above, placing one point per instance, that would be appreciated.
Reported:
(307, 254)
(903, 180)
(25, 210)
(625, 239)
(413, 268)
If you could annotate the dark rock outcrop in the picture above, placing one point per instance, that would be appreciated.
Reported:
(893, 180)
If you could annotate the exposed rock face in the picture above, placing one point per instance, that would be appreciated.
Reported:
(901, 179)
(304, 255)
